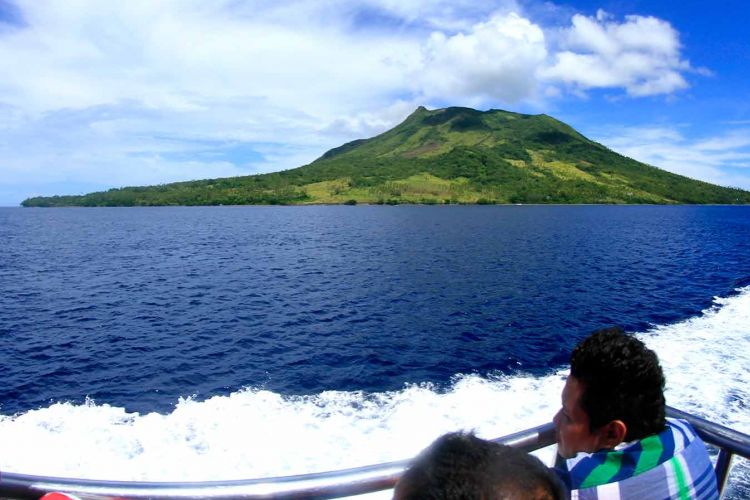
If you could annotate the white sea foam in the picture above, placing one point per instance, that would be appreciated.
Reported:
(255, 433)
(706, 360)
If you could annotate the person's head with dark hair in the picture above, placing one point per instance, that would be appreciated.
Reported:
(460, 466)
(615, 393)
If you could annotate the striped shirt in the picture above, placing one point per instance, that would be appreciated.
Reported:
(673, 464)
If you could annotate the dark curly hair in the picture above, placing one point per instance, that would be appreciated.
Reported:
(622, 380)
(460, 466)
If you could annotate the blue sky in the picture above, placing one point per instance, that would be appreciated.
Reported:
(95, 95)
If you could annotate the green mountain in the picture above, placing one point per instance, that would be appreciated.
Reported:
(452, 155)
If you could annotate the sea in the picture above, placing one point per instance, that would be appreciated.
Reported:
(210, 343)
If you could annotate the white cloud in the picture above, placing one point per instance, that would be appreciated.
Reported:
(722, 159)
(739, 139)
(497, 59)
(451, 15)
(300, 54)
(172, 55)
(641, 55)
(368, 124)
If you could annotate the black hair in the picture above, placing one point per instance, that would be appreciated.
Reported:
(460, 466)
(622, 380)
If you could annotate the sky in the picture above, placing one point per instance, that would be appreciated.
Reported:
(97, 94)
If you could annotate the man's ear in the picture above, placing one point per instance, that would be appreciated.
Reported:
(612, 434)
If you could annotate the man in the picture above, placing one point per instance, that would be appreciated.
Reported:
(461, 466)
(613, 439)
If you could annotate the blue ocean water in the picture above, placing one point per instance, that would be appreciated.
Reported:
(136, 307)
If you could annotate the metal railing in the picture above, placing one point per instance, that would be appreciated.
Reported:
(334, 484)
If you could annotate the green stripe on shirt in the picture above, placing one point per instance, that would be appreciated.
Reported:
(652, 448)
(679, 474)
(605, 471)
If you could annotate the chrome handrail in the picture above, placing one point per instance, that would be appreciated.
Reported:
(321, 485)
(334, 484)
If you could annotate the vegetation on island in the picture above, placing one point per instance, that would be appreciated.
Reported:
(452, 155)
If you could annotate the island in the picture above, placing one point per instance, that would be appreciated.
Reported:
(445, 156)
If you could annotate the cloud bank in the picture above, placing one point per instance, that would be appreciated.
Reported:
(721, 159)
(107, 94)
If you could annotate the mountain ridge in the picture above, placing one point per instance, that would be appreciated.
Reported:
(447, 155)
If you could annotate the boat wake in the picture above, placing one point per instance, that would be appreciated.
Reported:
(255, 433)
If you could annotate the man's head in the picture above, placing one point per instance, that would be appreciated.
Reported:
(461, 466)
(615, 393)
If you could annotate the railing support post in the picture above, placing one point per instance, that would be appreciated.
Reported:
(722, 468)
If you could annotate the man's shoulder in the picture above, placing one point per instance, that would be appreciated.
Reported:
(671, 464)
